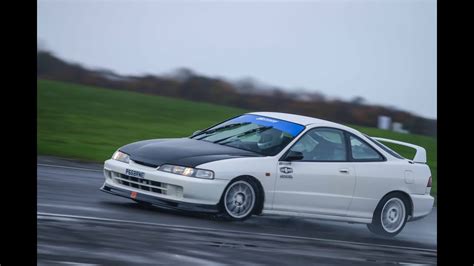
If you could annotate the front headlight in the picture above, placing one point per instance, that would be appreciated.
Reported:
(120, 156)
(187, 171)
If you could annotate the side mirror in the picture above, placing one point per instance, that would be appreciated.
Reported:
(196, 132)
(294, 156)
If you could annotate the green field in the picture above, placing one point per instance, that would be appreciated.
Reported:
(90, 123)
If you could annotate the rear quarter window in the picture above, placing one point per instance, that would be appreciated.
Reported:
(385, 148)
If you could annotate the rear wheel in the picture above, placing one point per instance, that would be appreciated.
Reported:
(239, 199)
(390, 216)
(372, 228)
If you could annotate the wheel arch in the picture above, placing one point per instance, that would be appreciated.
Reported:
(260, 194)
(403, 194)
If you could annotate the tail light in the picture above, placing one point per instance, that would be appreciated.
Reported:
(430, 180)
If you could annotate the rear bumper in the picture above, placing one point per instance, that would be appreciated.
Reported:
(159, 202)
(422, 206)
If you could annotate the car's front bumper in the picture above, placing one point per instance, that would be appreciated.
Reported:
(162, 203)
(158, 188)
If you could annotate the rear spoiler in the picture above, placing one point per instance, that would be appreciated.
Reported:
(420, 155)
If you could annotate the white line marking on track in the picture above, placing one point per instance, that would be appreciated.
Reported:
(45, 215)
(76, 263)
(68, 167)
(72, 207)
(71, 263)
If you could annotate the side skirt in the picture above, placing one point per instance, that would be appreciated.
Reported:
(321, 216)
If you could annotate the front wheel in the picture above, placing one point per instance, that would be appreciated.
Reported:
(390, 216)
(238, 200)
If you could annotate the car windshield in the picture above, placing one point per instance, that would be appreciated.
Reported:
(260, 134)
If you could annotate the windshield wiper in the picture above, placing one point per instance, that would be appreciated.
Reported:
(219, 129)
(245, 133)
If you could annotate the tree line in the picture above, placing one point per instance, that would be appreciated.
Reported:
(245, 93)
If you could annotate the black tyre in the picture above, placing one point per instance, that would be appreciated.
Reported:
(390, 216)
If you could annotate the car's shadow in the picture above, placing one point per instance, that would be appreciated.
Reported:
(155, 209)
(275, 224)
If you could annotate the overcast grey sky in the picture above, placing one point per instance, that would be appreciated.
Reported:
(384, 51)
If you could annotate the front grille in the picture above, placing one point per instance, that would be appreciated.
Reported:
(140, 183)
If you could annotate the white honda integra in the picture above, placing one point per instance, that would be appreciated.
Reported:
(277, 163)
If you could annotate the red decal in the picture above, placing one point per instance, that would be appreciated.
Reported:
(133, 195)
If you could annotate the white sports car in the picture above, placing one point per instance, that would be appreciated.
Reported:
(277, 163)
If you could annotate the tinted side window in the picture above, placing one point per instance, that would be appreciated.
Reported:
(362, 151)
(322, 144)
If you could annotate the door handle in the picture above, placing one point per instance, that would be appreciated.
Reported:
(344, 171)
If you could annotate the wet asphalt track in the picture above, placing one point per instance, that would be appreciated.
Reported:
(77, 223)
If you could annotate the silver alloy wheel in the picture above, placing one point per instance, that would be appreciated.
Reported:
(393, 215)
(239, 199)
